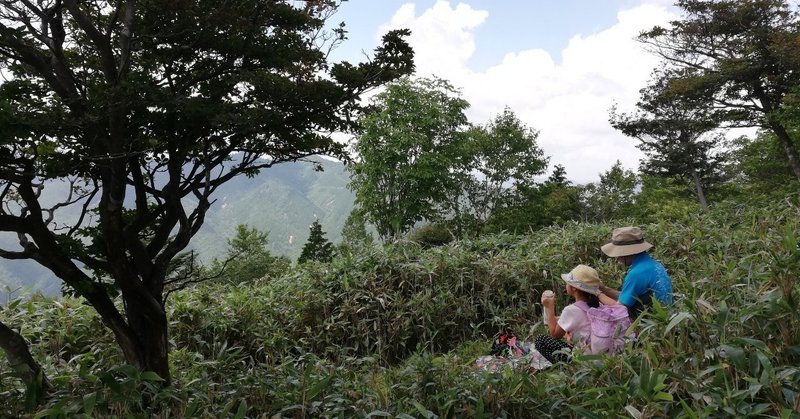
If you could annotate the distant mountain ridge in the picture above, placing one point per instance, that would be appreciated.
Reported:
(283, 200)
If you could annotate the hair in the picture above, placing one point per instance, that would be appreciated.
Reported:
(591, 299)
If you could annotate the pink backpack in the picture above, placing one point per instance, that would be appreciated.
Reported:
(610, 326)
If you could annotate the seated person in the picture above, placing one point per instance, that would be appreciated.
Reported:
(583, 284)
(646, 277)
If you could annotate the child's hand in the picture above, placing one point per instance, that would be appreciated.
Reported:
(548, 299)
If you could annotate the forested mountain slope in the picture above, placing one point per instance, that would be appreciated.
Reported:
(283, 200)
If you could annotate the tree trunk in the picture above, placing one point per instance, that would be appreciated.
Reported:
(142, 334)
(144, 337)
(769, 106)
(698, 188)
(788, 146)
(149, 324)
(23, 364)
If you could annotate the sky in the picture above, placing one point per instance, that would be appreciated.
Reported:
(559, 65)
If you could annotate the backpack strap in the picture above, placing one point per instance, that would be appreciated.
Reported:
(582, 305)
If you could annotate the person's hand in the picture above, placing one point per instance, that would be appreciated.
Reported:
(548, 299)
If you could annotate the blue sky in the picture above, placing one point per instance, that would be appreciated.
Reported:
(559, 65)
(548, 24)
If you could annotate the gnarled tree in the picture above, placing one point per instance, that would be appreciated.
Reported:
(138, 107)
(676, 135)
(742, 55)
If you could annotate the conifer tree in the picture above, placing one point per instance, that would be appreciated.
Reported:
(317, 247)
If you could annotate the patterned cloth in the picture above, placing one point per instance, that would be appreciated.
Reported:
(527, 358)
(552, 349)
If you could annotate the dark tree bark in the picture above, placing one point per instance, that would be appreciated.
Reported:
(22, 363)
(788, 147)
(698, 187)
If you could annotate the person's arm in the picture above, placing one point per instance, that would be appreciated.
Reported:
(609, 292)
(553, 328)
(606, 299)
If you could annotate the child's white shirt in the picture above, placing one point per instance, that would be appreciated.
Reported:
(575, 321)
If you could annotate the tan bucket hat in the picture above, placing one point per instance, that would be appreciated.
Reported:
(626, 241)
(584, 278)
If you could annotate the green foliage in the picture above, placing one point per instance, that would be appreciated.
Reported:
(146, 108)
(675, 134)
(355, 237)
(612, 197)
(536, 206)
(742, 56)
(395, 332)
(317, 247)
(410, 155)
(561, 198)
(506, 158)
(759, 168)
(663, 199)
(248, 258)
(431, 235)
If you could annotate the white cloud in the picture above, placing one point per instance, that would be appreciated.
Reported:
(441, 36)
(568, 101)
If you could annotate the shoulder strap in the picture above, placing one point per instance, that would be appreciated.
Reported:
(582, 305)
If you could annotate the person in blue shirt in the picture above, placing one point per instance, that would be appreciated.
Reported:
(646, 278)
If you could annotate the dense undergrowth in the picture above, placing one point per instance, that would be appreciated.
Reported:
(395, 333)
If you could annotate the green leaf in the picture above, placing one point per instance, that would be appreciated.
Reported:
(318, 387)
(677, 319)
(755, 342)
(663, 396)
(634, 412)
(242, 410)
(735, 353)
(585, 413)
(151, 376)
(89, 402)
(427, 414)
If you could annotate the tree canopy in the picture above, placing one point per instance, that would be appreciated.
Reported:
(676, 135)
(742, 57)
(410, 156)
(355, 237)
(612, 197)
(248, 258)
(144, 108)
(505, 160)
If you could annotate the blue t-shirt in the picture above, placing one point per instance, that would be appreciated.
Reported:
(645, 279)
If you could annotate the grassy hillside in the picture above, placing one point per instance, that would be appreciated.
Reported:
(395, 333)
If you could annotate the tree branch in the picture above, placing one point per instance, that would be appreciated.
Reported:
(100, 41)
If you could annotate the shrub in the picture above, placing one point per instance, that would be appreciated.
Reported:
(395, 331)
(431, 235)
